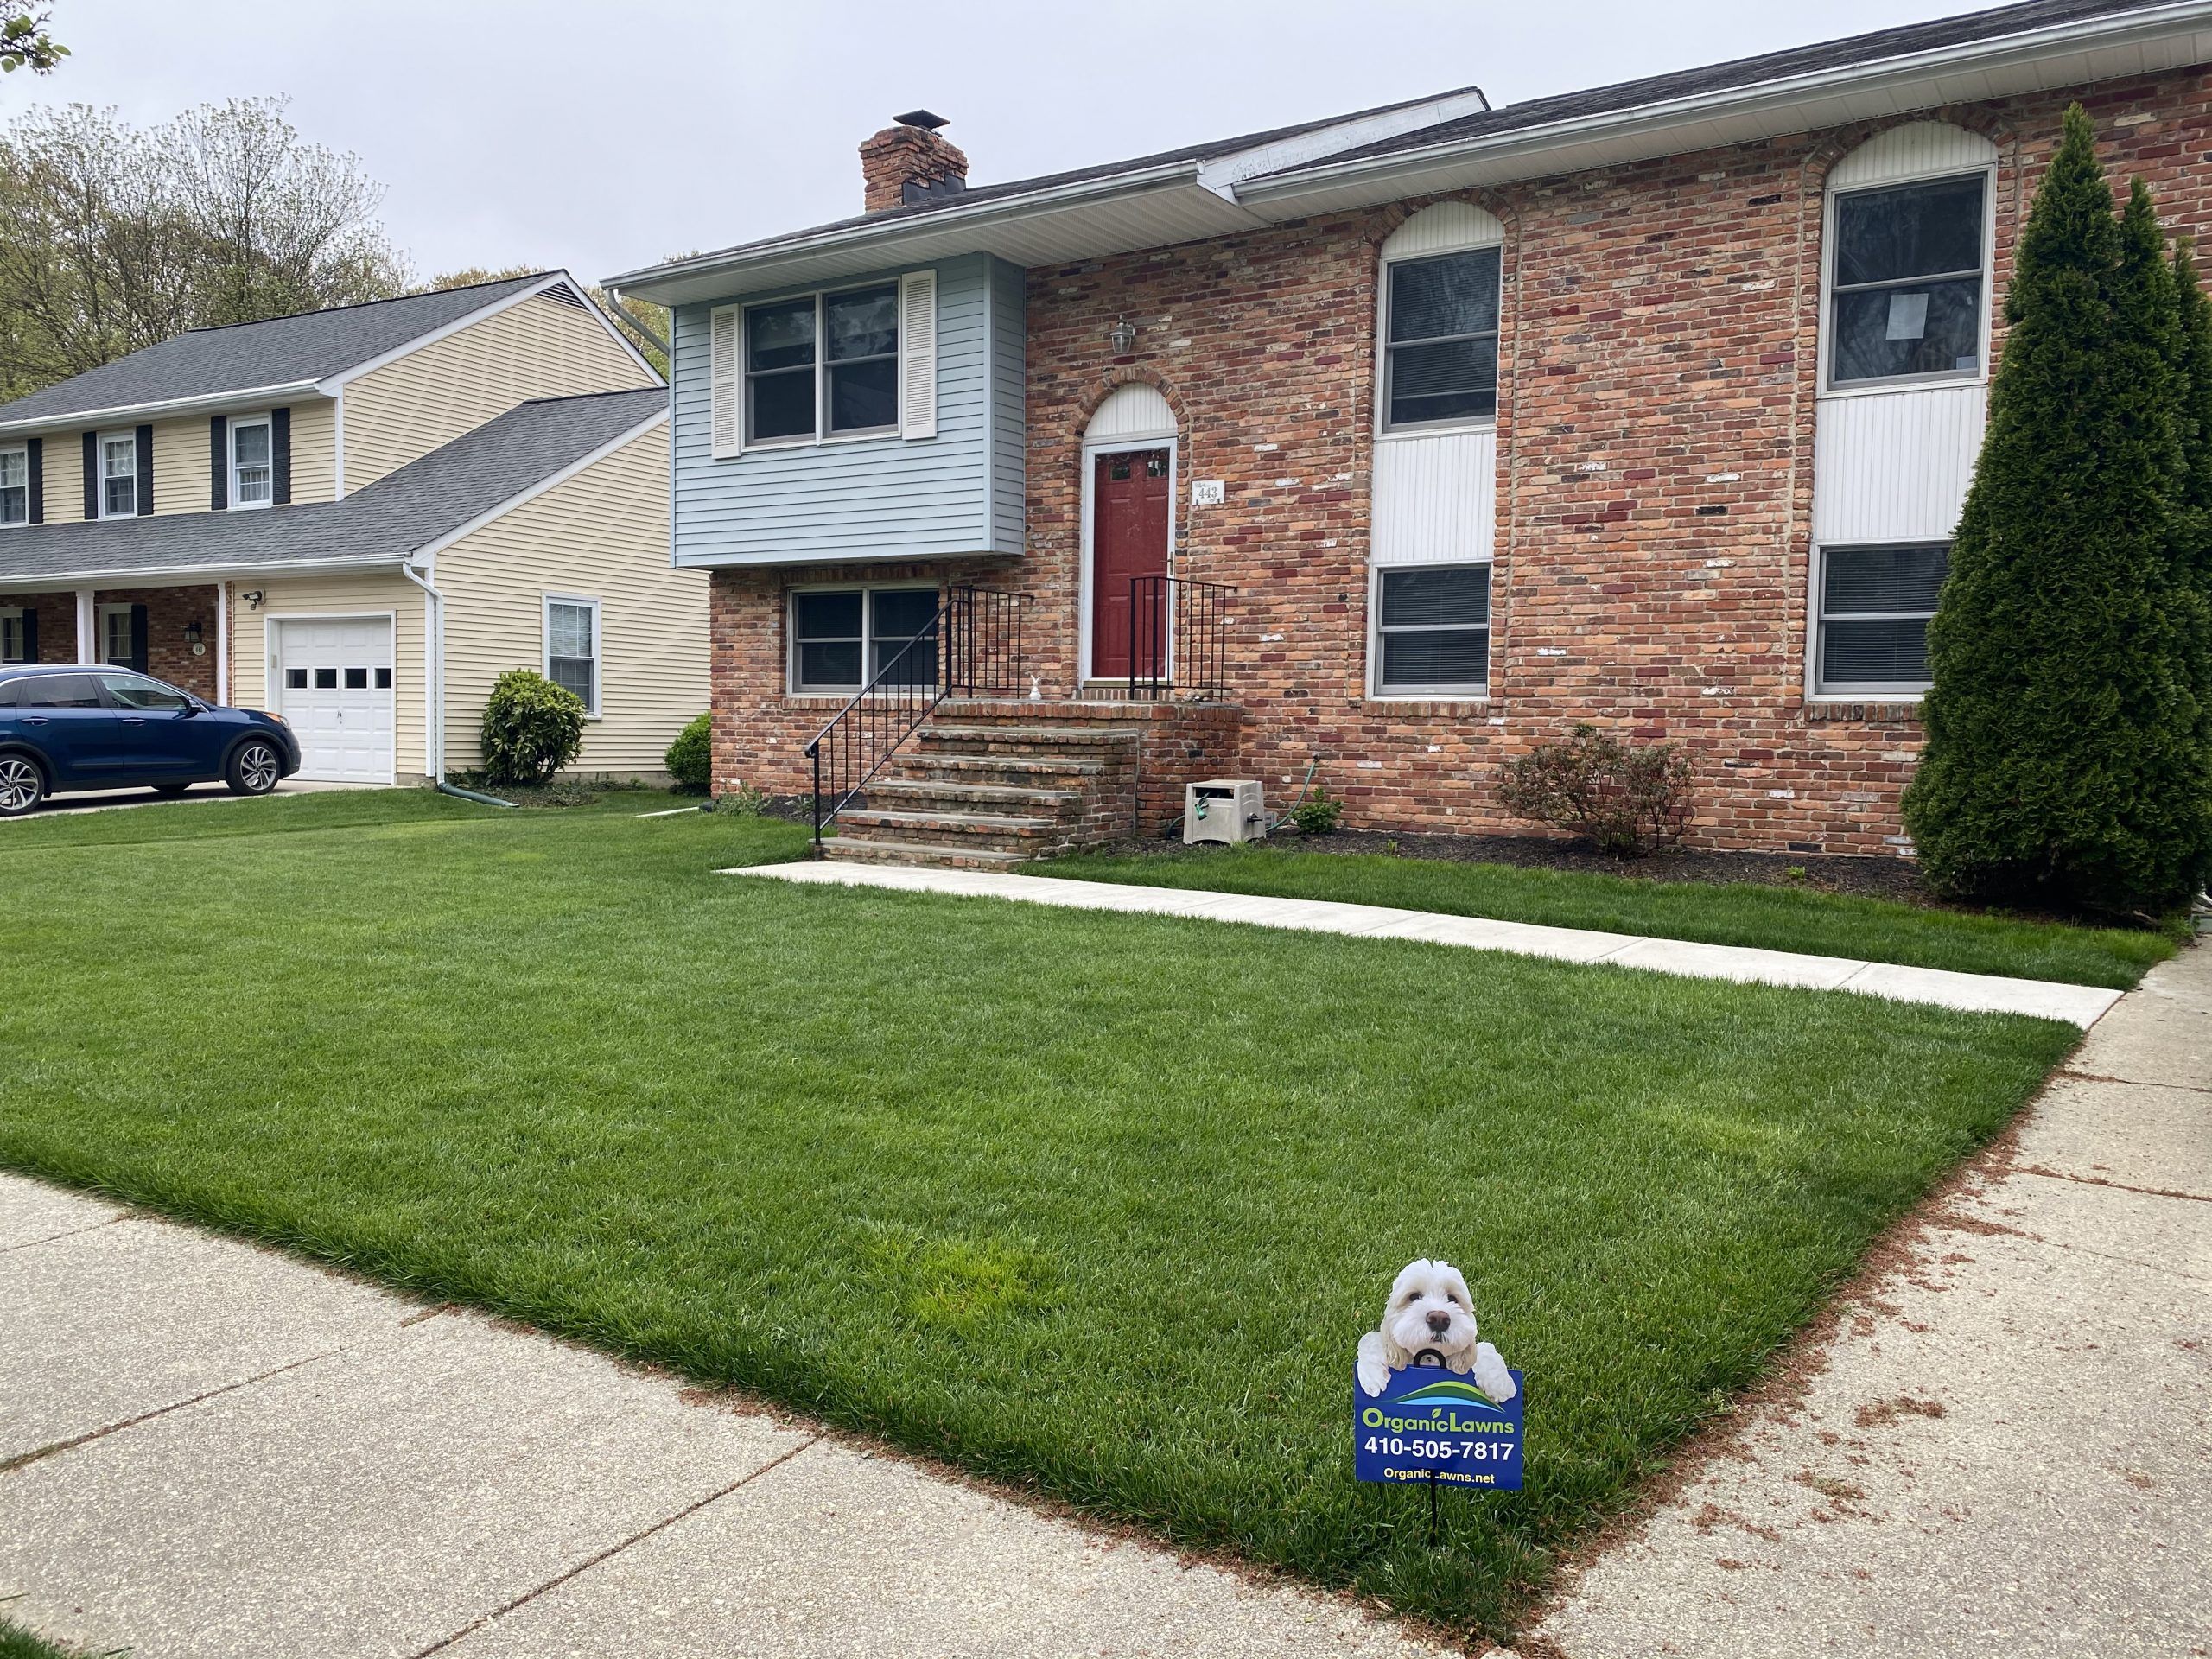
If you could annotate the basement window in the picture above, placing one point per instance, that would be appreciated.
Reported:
(835, 631)
(1875, 604)
(1432, 632)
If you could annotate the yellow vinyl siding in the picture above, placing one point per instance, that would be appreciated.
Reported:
(536, 348)
(180, 466)
(181, 462)
(65, 478)
(601, 535)
(362, 594)
(315, 450)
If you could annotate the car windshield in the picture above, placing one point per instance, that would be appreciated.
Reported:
(135, 692)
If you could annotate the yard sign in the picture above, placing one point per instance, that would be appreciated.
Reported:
(1430, 1423)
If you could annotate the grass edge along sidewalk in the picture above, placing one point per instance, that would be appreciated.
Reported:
(1758, 915)
(1090, 1205)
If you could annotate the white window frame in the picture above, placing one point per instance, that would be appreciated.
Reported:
(105, 442)
(12, 618)
(1849, 690)
(868, 590)
(24, 450)
(267, 423)
(1829, 386)
(1384, 425)
(598, 646)
(821, 433)
(108, 614)
(1429, 694)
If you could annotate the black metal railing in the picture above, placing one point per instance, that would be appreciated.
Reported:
(1178, 638)
(973, 645)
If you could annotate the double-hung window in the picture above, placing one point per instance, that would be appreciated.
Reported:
(15, 487)
(824, 366)
(572, 647)
(253, 473)
(1875, 604)
(15, 635)
(1440, 357)
(1432, 631)
(1907, 281)
(120, 475)
(838, 632)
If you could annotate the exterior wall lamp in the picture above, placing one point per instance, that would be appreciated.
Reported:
(1121, 336)
(252, 598)
(192, 634)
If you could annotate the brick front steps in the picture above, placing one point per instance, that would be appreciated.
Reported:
(989, 783)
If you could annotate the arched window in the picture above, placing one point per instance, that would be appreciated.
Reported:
(1440, 276)
(1907, 257)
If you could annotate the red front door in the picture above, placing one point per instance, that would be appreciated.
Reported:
(1128, 541)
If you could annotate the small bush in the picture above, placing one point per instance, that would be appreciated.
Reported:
(1319, 814)
(1627, 802)
(745, 800)
(532, 728)
(691, 757)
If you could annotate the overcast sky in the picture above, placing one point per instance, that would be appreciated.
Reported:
(602, 137)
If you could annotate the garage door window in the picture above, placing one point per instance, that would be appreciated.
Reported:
(572, 648)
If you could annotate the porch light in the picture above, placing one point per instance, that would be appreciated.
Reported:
(1121, 336)
(252, 599)
(192, 635)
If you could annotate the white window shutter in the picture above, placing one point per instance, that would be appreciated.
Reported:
(918, 354)
(726, 385)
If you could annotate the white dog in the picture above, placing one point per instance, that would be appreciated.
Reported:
(1429, 1307)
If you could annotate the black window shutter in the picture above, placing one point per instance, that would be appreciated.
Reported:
(30, 632)
(36, 462)
(138, 637)
(145, 447)
(92, 474)
(280, 457)
(219, 462)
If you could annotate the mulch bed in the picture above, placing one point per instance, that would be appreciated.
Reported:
(1868, 877)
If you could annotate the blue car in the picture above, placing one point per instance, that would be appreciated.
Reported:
(75, 727)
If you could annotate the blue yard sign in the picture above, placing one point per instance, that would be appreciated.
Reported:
(1430, 1422)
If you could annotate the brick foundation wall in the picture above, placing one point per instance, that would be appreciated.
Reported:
(1657, 374)
(169, 611)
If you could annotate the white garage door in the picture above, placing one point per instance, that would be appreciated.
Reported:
(333, 675)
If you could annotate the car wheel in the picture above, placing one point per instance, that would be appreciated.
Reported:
(22, 786)
(170, 788)
(255, 769)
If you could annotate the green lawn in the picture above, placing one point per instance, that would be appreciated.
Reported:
(17, 1642)
(1774, 918)
(1092, 1204)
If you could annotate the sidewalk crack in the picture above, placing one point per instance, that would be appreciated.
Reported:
(559, 1578)
(2049, 1173)
(22, 1459)
(74, 1232)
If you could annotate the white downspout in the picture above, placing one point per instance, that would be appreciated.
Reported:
(434, 690)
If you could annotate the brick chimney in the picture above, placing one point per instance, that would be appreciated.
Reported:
(911, 161)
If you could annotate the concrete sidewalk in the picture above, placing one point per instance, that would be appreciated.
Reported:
(2003, 1449)
(2079, 1005)
(207, 1449)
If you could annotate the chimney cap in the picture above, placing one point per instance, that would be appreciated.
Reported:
(923, 118)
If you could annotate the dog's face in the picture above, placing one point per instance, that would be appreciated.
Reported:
(1429, 1307)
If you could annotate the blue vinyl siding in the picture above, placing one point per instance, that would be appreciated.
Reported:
(960, 492)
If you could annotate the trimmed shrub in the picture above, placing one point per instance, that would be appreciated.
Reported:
(691, 757)
(1319, 814)
(1625, 801)
(532, 728)
(2192, 542)
(2061, 765)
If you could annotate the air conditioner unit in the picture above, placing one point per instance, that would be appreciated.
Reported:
(1224, 808)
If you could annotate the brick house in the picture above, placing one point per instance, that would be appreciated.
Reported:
(1400, 441)
(357, 520)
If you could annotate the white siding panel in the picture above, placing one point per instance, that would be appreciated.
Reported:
(1445, 227)
(1915, 150)
(1436, 497)
(1895, 466)
(1133, 411)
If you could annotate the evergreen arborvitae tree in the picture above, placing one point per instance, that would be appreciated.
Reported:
(2193, 539)
(2061, 735)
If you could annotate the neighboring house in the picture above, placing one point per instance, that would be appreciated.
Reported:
(360, 518)
(1652, 407)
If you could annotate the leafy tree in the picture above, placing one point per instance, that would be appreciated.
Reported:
(2060, 765)
(114, 238)
(25, 43)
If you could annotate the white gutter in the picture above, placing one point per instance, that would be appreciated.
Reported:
(113, 574)
(248, 397)
(434, 687)
(2150, 22)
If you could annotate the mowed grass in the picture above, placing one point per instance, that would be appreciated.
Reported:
(1770, 917)
(1093, 1204)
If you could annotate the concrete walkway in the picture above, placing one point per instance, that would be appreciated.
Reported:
(207, 1449)
(2004, 1448)
(2081, 1004)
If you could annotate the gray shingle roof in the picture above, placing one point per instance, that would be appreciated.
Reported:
(282, 351)
(386, 521)
(1744, 72)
